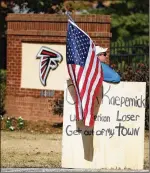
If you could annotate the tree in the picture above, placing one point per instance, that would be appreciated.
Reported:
(130, 19)
(31, 6)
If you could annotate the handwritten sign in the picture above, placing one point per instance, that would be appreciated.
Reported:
(117, 139)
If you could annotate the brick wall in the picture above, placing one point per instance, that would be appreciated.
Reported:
(42, 28)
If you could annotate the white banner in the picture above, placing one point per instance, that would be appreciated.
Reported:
(117, 139)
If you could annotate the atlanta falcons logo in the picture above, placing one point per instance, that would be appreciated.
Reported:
(49, 60)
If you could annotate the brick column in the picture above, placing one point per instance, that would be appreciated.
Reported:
(42, 28)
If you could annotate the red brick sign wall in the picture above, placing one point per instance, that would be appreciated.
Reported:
(42, 28)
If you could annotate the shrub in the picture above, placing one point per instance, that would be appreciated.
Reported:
(2, 91)
(12, 123)
(58, 106)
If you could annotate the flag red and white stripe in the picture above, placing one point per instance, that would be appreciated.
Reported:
(87, 78)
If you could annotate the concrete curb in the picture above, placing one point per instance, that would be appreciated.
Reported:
(66, 170)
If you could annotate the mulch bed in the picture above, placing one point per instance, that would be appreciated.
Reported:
(34, 126)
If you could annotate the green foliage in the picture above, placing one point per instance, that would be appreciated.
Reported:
(40, 5)
(20, 123)
(130, 27)
(11, 123)
(8, 123)
(2, 91)
(130, 19)
(58, 106)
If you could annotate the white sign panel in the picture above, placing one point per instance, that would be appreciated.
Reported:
(43, 66)
(117, 139)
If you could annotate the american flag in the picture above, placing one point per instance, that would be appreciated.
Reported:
(85, 71)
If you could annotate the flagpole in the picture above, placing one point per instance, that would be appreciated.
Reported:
(69, 16)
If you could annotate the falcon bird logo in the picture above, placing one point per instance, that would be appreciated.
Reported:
(49, 60)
